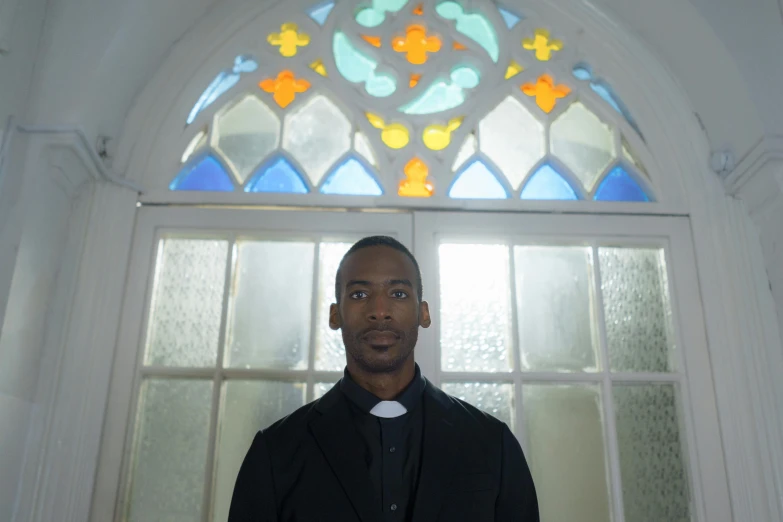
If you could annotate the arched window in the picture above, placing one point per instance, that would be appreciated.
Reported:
(408, 100)
(570, 328)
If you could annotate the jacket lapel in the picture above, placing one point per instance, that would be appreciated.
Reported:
(340, 444)
(439, 453)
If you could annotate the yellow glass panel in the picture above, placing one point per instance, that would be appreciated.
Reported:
(438, 137)
(546, 92)
(289, 39)
(542, 44)
(415, 184)
(318, 66)
(284, 88)
(394, 135)
(513, 69)
(416, 44)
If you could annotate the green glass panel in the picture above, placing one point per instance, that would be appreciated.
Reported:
(375, 15)
(443, 95)
(357, 67)
(475, 26)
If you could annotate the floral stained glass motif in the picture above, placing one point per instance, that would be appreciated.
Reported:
(468, 149)
(280, 176)
(620, 186)
(584, 72)
(316, 135)
(415, 184)
(321, 12)
(542, 44)
(473, 25)
(442, 95)
(375, 14)
(547, 184)
(416, 44)
(222, 83)
(352, 179)
(438, 137)
(510, 18)
(207, 175)
(546, 92)
(513, 139)
(477, 182)
(357, 67)
(583, 143)
(284, 88)
(393, 135)
(289, 40)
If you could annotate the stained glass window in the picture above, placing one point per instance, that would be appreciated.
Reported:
(435, 110)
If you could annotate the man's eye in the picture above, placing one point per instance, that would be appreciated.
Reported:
(399, 294)
(359, 294)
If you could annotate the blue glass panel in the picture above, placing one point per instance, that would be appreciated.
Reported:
(476, 181)
(441, 95)
(582, 72)
(356, 67)
(280, 176)
(620, 186)
(352, 179)
(207, 175)
(224, 81)
(547, 183)
(510, 18)
(321, 12)
(474, 26)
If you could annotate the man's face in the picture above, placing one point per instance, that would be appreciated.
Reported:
(379, 312)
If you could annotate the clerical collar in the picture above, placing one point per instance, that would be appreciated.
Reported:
(369, 403)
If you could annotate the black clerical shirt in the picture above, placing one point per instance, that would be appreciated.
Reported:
(392, 447)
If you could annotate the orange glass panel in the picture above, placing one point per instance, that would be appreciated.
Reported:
(419, 10)
(416, 44)
(414, 80)
(546, 92)
(416, 185)
(285, 87)
(458, 46)
(375, 41)
(289, 39)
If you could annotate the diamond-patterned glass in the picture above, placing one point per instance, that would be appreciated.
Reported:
(246, 133)
(184, 321)
(316, 135)
(637, 310)
(583, 143)
(513, 139)
(475, 332)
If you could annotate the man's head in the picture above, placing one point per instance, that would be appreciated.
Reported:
(379, 304)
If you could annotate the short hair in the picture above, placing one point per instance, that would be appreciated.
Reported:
(376, 241)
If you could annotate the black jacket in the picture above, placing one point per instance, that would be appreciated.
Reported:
(308, 467)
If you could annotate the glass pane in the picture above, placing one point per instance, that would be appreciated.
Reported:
(497, 399)
(445, 95)
(510, 18)
(620, 186)
(280, 176)
(246, 134)
(655, 484)
(196, 144)
(224, 81)
(566, 452)
(357, 67)
(548, 184)
(475, 311)
(637, 310)
(321, 388)
(374, 15)
(468, 149)
(247, 407)
(362, 145)
(187, 301)
(330, 351)
(317, 135)
(207, 175)
(583, 143)
(631, 157)
(321, 12)
(513, 139)
(351, 178)
(554, 308)
(477, 182)
(270, 307)
(170, 451)
(473, 25)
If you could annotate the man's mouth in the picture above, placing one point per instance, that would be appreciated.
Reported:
(380, 338)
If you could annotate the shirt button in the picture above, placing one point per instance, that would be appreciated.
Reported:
(394, 507)
(392, 449)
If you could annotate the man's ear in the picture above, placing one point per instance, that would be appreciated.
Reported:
(424, 315)
(335, 321)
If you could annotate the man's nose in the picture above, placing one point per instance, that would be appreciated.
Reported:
(379, 309)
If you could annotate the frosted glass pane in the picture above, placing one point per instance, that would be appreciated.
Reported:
(655, 483)
(187, 301)
(362, 145)
(637, 310)
(475, 311)
(583, 143)
(513, 139)
(270, 307)
(477, 182)
(566, 452)
(321, 388)
(196, 144)
(329, 350)
(317, 135)
(247, 407)
(468, 149)
(497, 399)
(554, 306)
(170, 451)
(246, 134)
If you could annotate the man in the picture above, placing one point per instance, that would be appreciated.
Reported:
(384, 444)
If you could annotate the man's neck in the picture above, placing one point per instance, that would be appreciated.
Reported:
(385, 386)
